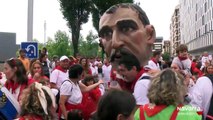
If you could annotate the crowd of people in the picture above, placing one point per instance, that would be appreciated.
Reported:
(131, 83)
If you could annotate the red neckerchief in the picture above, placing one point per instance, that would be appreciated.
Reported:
(11, 85)
(93, 66)
(154, 60)
(0, 75)
(182, 58)
(61, 69)
(136, 78)
(106, 64)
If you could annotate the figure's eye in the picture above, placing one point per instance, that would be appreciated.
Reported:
(126, 29)
(106, 34)
(127, 26)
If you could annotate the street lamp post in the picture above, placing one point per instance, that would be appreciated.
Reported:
(30, 21)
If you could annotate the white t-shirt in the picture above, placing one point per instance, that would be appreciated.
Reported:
(141, 90)
(184, 64)
(152, 65)
(106, 72)
(202, 93)
(57, 77)
(204, 60)
(73, 91)
(94, 70)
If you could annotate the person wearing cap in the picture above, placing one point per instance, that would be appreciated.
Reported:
(60, 73)
(24, 59)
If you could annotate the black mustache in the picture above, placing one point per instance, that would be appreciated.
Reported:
(119, 53)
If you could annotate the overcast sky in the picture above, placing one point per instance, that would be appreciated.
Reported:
(14, 18)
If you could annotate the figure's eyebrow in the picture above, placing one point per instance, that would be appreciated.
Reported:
(103, 30)
(130, 23)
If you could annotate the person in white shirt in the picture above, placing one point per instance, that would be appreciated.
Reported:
(182, 60)
(204, 60)
(60, 73)
(93, 67)
(71, 91)
(203, 91)
(98, 61)
(131, 71)
(153, 63)
(106, 70)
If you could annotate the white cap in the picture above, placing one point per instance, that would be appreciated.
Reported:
(63, 58)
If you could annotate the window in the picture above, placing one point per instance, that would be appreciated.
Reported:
(196, 17)
(205, 7)
(203, 20)
(196, 7)
(199, 33)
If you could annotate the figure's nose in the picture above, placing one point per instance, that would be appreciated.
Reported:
(117, 42)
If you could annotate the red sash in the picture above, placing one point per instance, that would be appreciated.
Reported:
(69, 107)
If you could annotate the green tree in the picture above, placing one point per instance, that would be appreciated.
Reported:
(166, 56)
(40, 45)
(60, 46)
(89, 47)
(76, 12)
(100, 6)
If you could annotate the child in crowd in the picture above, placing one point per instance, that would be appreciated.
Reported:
(91, 98)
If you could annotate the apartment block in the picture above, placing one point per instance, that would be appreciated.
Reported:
(196, 25)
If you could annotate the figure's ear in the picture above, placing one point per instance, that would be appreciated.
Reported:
(150, 33)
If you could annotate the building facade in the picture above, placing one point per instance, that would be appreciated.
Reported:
(175, 34)
(196, 22)
(167, 46)
(8, 46)
(158, 44)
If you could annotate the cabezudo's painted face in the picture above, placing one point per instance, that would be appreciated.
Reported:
(122, 32)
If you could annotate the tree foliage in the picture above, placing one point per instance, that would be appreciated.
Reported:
(166, 56)
(89, 47)
(100, 6)
(76, 12)
(60, 46)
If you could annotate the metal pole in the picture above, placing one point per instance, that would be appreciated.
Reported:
(30, 21)
(45, 33)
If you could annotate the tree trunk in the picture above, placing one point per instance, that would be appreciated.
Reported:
(75, 37)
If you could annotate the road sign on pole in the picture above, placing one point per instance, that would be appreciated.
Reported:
(31, 49)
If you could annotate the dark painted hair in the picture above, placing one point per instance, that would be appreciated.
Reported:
(142, 15)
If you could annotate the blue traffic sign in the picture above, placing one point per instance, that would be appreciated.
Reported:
(31, 49)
